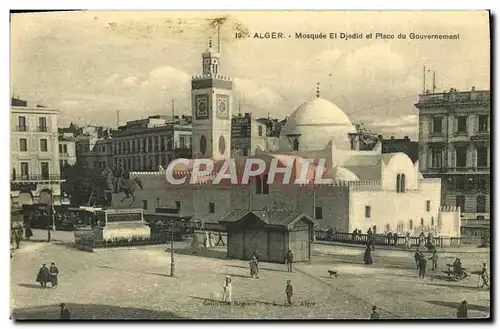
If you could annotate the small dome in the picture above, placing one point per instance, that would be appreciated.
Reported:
(342, 174)
(314, 124)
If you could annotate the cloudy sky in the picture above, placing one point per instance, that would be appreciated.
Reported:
(92, 64)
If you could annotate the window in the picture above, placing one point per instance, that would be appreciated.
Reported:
(460, 202)
(265, 185)
(65, 149)
(482, 156)
(411, 224)
(482, 183)
(43, 145)
(21, 124)
(162, 143)
(437, 125)
(437, 158)
(169, 144)
(245, 152)
(374, 229)
(481, 203)
(42, 124)
(182, 141)
(44, 166)
(258, 184)
(157, 202)
(150, 144)
(483, 123)
(461, 154)
(23, 145)
(403, 183)
(60, 148)
(462, 124)
(145, 204)
(260, 130)
(178, 205)
(428, 205)
(432, 221)
(460, 182)
(398, 183)
(318, 213)
(368, 212)
(211, 208)
(421, 222)
(24, 170)
(296, 145)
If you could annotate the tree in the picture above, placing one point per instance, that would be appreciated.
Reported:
(81, 180)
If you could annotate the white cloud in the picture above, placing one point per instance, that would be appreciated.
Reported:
(112, 80)
(405, 120)
(130, 82)
(258, 99)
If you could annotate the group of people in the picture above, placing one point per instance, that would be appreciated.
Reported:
(16, 235)
(209, 241)
(48, 275)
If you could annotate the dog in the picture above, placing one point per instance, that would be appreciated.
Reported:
(334, 273)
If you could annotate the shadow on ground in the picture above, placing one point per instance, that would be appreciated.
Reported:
(132, 271)
(455, 305)
(92, 312)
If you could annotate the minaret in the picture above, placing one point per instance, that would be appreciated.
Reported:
(317, 90)
(212, 109)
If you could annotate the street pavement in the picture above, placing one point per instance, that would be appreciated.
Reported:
(134, 283)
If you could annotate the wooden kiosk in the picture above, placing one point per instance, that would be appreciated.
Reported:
(272, 233)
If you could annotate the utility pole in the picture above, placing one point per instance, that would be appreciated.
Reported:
(423, 91)
(433, 82)
(173, 110)
(172, 262)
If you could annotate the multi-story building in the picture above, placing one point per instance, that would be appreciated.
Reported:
(146, 144)
(67, 150)
(405, 145)
(34, 156)
(454, 137)
(249, 135)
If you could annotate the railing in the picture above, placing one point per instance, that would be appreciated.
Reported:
(21, 128)
(42, 129)
(383, 240)
(35, 177)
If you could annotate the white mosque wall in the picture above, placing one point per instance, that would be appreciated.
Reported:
(400, 212)
(449, 218)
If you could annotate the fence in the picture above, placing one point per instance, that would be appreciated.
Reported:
(400, 241)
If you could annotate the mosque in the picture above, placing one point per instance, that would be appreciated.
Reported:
(385, 192)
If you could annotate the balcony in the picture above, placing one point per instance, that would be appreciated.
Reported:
(475, 222)
(21, 128)
(42, 129)
(481, 136)
(459, 170)
(32, 178)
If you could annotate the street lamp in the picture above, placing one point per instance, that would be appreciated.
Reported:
(172, 262)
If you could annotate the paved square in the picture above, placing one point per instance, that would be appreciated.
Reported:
(134, 283)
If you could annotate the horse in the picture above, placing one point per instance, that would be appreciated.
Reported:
(128, 186)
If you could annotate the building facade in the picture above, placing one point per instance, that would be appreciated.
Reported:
(455, 145)
(405, 145)
(67, 150)
(34, 156)
(250, 135)
(146, 144)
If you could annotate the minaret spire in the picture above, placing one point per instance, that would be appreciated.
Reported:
(317, 90)
(209, 42)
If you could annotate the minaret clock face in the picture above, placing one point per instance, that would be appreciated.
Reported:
(222, 102)
(201, 106)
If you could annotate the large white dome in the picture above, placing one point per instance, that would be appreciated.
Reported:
(314, 124)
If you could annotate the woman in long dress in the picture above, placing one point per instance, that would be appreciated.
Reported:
(194, 244)
(368, 256)
(254, 269)
(227, 290)
(211, 239)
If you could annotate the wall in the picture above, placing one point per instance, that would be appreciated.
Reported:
(399, 163)
(450, 219)
(389, 207)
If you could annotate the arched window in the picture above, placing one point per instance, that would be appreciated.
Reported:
(403, 184)
(296, 145)
(411, 224)
(398, 183)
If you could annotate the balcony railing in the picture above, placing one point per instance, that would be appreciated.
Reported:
(42, 129)
(21, 128)
(36, 177)
(457, 169)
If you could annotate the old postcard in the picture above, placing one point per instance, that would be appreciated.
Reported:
(250, 165)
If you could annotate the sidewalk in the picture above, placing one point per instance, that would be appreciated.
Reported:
(451, 250)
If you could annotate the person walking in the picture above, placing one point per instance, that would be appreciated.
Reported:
(374, 315)
(422, 264)
(206, 242)
(289, 292)
(194, 244)
(254, 269)
(484, 276)
(65, 314)
(43, 276)
(462, 311)
(211, 239)
(28, 233)
(289, 260)
(54, 272)
(227, 290)
(368, 256)
(17, 236)
(417, 257)
(434, 259)
(407, 240)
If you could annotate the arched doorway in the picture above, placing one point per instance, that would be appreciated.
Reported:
(45, 196)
